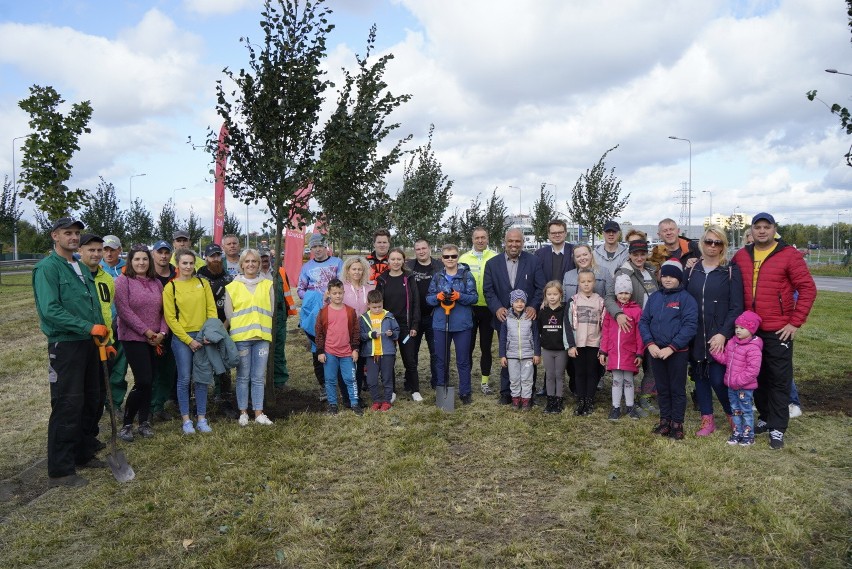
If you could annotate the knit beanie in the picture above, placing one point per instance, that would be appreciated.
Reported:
(748, 320)
(672, 268)
(623, 284)
(517, 294)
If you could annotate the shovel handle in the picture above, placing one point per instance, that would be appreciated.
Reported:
(101, 343)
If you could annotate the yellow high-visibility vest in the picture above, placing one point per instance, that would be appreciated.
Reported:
(252, 317)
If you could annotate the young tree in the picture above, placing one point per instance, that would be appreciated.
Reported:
(139, 223)
(231, 225)
(495, 220)
(424, 197)
(596, 197)
(167, 223)
(194, 228)
(350, 184)
(452, 230)
(46, 164)
(473, 217)
(10, 211)
(544, 209)
(102, 215)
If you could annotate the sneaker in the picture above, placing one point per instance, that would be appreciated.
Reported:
(466, 399)
(376, 407)
(93, 463)
(633, 412)
(761, 427)
(486, 389)
(204, 426)
(526, 403)
(614, 414)
(795, 411)
(516, 402)
(145, 430)
(639, 412)
(776, 439)
(262, 419)
(648, 405)
(416, 397)
(676, 431)
(393, 398)
(70, 481)
(243, 420)
(663, 428)
(332, 409)
(356, 408)
(747, 441)
(385, 406)
(187, 427)
(734, 439)
(126, 433)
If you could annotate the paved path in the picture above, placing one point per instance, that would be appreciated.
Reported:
(835, 284)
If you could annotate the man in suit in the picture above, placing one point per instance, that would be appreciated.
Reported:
(558, 257)
(514, 269)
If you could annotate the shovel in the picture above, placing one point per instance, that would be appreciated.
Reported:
(122, 471)
(445, 396)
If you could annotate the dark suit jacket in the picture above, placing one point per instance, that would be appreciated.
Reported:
(545, 256)
(496, 287)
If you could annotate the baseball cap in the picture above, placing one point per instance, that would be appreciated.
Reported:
(89, 237)
(316, 239)
(264, 252)
(180, 235)
(112, 242)
(162, 245)
(212, 249)
(638, 246)
(66, 222)
(763, 215)
(611, 226)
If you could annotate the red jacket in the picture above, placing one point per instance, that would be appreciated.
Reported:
(322, 328)
(783, 272)
(620, 348)
(741, 359)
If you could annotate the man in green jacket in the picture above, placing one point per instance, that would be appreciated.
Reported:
(70, 316)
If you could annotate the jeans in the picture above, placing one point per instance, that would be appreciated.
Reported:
(252, 368)
(346, 367)
(381, 370)
(461, 340)
(710, 377)
(183, 362)
(794, 394)
(743, 411)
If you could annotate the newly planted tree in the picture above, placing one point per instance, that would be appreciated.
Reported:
(46, 164)
(139, 223)
(473, 217)
(544, 210)
(596, 197)
(167, 222)
(103, 215)
(496, 218)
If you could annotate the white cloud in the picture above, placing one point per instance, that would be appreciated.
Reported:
(220, 7)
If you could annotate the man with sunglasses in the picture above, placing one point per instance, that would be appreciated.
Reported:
(422, 267)
(782, 272)
(70, 316)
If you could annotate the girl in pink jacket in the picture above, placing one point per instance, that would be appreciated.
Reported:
(621, 352)
(742, 357)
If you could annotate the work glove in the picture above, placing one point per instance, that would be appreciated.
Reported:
(110, 352)
(440, 296)
(100, 331)
(159, 350)
(455, 296)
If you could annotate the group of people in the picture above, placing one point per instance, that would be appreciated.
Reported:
(179, 321)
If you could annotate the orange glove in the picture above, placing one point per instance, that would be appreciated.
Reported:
(159, 350)
(455, 296)
(100, 331)
(440, 296)
(110, 352)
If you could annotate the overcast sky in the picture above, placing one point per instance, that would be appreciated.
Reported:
(520, 92)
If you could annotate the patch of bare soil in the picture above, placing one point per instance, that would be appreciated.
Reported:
(819, 398)
(21, 489)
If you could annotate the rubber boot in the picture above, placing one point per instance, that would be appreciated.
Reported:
(708, 425)
(526, 403)
(516, 402)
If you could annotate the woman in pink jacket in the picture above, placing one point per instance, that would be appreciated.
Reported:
(741, 358)
(141, 330)
(621, 352)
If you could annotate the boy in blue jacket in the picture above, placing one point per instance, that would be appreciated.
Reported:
(669, 322)
(379, 332)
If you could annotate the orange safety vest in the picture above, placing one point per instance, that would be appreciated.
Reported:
(288, 295)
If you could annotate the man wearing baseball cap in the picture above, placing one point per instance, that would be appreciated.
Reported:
(113, 265)
(180, 240)
(70, 319)
(112, 261)
(782, 272)
(611, 254)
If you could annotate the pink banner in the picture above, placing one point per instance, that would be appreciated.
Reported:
(219, 187)
(294, 242)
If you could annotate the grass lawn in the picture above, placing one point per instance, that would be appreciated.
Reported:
(415, 487)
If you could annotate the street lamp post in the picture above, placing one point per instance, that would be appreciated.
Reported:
(689, 200)
(709, 219)
(131, 184)
(174, 191)
(837, 229)
(519, 200)
(15, 188)
(837, 72)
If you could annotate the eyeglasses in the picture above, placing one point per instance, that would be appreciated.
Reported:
(450, 256)
(713, 242)
(557, 233)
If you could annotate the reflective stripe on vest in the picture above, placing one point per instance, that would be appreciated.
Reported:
(252, 317)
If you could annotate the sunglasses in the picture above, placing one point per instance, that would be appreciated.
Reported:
(450, 256)
(139, 248)
(713, 242)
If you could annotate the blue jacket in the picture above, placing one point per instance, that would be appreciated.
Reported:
(461, 316)
(388, 342)
(669, 319)
(495, 283)
(719, 294)
(545, 257)
(114, 271)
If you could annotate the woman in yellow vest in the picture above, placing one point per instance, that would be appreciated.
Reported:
(249, 302)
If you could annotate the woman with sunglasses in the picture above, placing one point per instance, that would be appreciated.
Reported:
(401, 298)
(717, 286)
(141, 330)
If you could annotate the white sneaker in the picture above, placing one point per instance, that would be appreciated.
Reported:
(262, 419)
(243, 419)
(416, 396)
(795, 411)
(393, 397)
